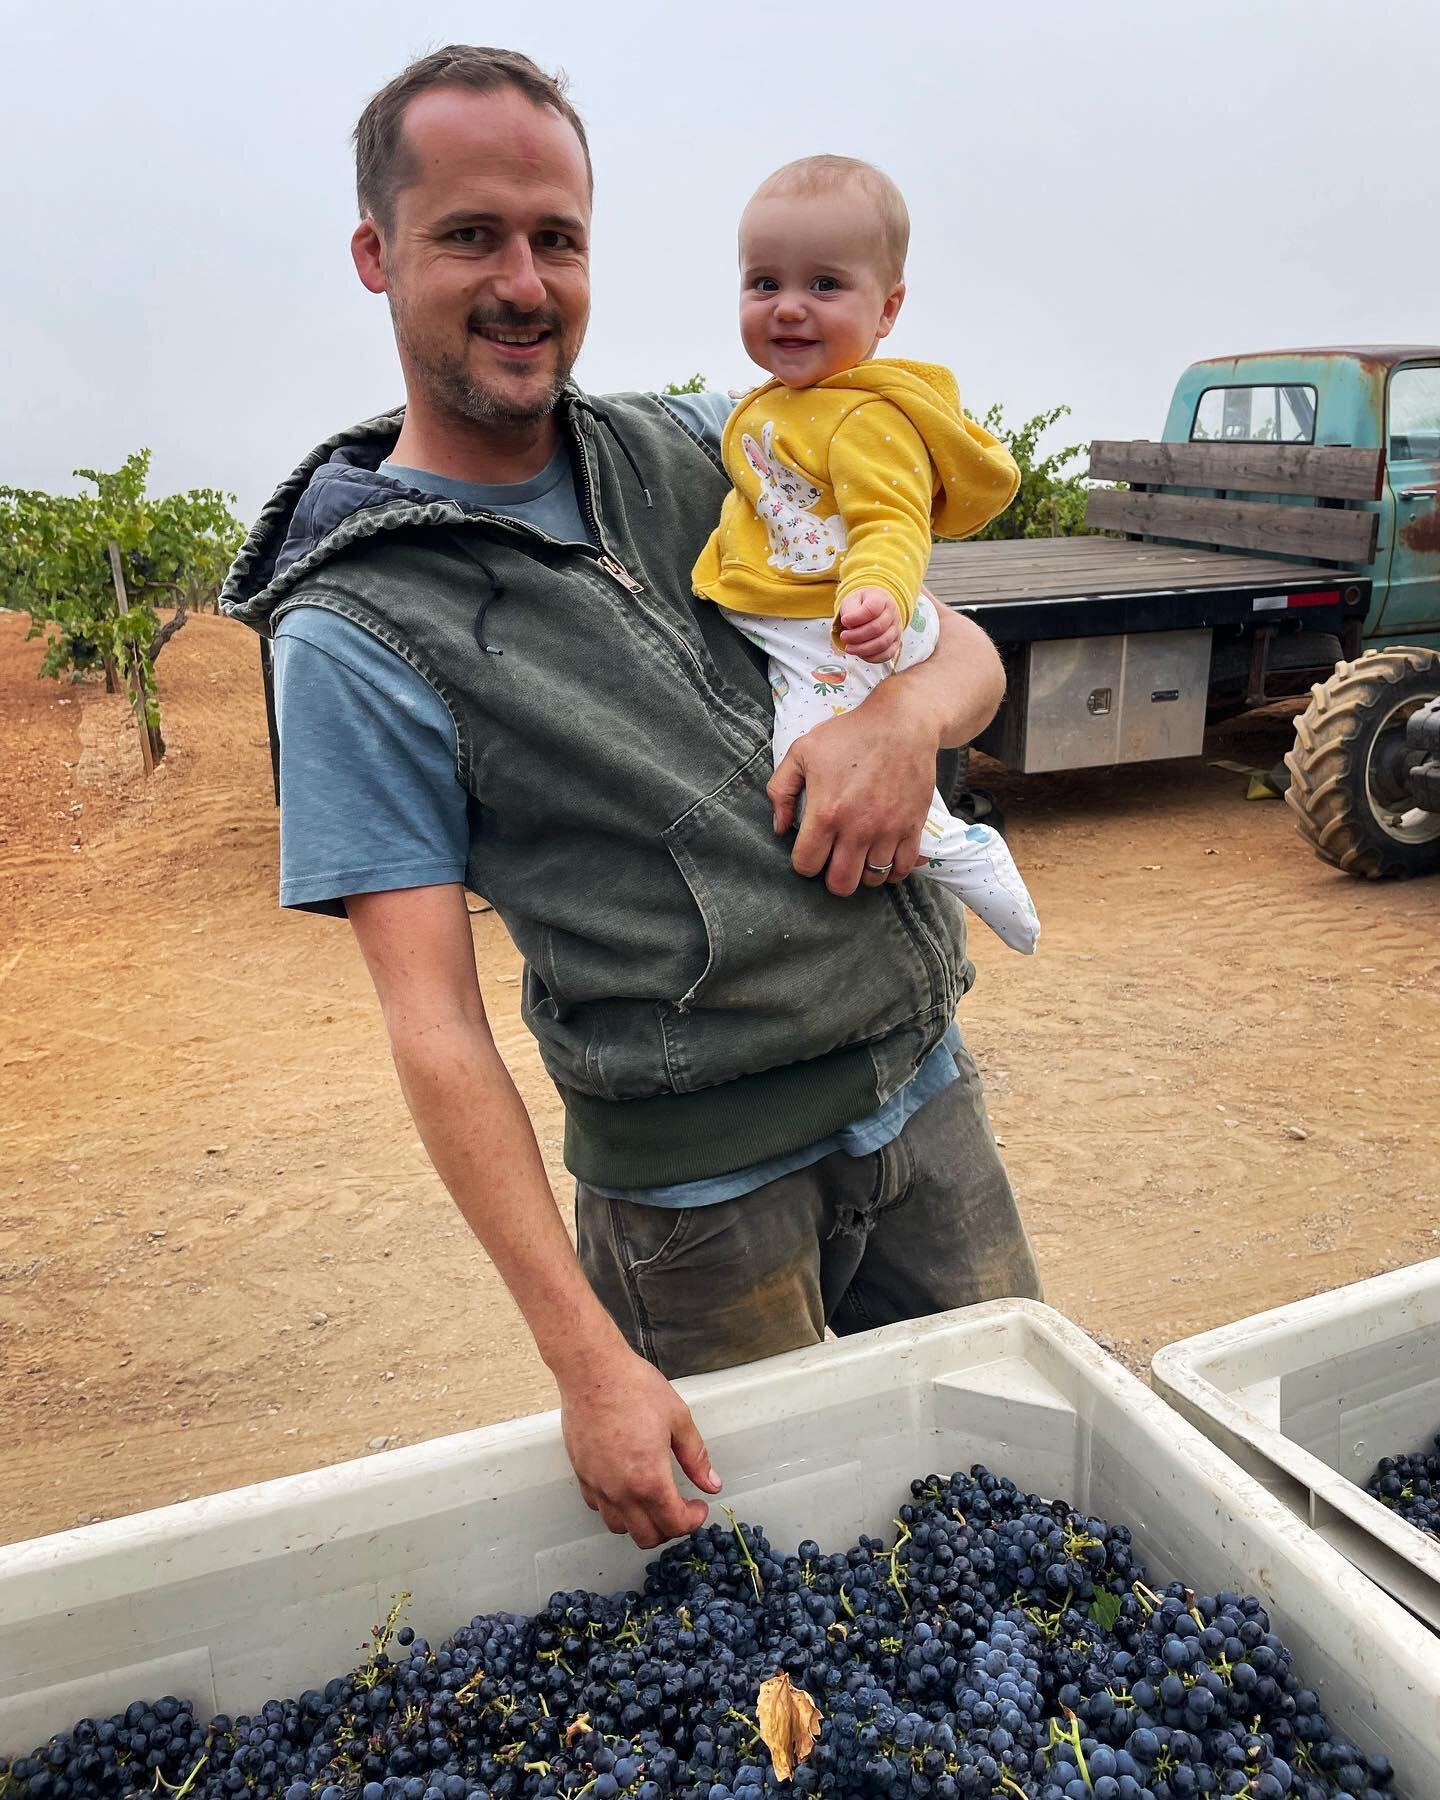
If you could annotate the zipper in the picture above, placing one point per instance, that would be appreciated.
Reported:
(592, 517)
(610, 564)
(677, 640)
(619, 574)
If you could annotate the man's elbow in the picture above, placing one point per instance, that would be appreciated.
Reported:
(432, 1044)
(987, 683)
(993, 674)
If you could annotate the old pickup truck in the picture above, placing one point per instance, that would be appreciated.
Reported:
(1283, 536)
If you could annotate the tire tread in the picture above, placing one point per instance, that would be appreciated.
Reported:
(1320, 795)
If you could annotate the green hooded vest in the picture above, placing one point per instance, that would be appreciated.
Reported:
(699, 1005)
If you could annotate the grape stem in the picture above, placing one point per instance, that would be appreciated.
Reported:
(185, 1786)
(745, 1556)
(1073, 1733)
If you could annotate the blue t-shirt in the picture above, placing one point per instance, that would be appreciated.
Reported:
(369, 798)
(547, 500)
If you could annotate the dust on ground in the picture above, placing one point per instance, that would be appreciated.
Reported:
(224, 1256)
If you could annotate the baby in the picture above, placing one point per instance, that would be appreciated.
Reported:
(843, 468)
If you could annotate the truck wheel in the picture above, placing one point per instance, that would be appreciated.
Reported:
(1348, 769)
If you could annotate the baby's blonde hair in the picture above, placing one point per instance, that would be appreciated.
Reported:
(823, 174)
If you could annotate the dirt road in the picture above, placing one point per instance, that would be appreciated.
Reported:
(223, 1255)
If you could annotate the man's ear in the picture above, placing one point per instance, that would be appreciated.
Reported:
(367, 248)
(894, 300)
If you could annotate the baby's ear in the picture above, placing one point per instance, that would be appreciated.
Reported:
(894, 300)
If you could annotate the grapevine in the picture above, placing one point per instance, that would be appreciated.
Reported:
(55, 564)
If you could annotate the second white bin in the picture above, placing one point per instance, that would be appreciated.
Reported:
(1310, 1396)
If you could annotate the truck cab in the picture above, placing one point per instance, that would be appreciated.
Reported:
(1381, 397)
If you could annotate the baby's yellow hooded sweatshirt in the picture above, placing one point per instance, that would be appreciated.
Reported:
(843, 485)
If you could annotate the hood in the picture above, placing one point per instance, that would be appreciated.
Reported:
(975, 475)
(338, 497)
(336, 482)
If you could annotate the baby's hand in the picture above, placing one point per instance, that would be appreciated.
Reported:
(870, 624)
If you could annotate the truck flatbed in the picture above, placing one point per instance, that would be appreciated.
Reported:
(1034, 588)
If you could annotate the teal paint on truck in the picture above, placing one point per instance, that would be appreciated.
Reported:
(1384, 397)
(1411, 607)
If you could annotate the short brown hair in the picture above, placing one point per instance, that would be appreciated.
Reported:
(823, 174)
(383, 164)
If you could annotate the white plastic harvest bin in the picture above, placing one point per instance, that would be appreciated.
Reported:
(269, 1589)
(1310, 1396)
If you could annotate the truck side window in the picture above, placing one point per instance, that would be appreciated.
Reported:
(1255, 415)
(1415, 414)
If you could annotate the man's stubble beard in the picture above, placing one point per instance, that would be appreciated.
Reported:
(451, 389)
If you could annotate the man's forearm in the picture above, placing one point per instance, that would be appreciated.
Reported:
(958, 688)
(474, 1125)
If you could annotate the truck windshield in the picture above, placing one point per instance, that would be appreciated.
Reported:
(1255, 415)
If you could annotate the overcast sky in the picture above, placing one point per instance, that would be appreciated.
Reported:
(1101, 193)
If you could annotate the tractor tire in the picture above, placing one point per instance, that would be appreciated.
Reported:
(1348, 767)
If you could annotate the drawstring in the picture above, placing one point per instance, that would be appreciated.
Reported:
(493, 591)
(600, 413)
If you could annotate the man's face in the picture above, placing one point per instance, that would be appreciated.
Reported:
(486, 258)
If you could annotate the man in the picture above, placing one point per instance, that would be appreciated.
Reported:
(489, 672)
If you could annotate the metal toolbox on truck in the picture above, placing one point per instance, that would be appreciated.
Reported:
(1310, 1396)
(261, 1591)
(1085, 702)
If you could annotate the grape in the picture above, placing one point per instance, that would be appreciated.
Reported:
(1410, 1486)
(999, 1645)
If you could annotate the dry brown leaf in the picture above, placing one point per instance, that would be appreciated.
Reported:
(789, 1722)
(576, 1729)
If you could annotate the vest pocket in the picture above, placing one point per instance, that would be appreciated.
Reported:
(537, 1003)
(692, 841)
(791, 971)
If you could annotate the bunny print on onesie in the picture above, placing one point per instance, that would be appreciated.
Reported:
(800, 540)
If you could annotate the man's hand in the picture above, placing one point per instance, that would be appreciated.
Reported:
(869, 625)
(869, 775)
(623, 1423)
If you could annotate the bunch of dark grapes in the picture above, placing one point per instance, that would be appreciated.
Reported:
(997, 1647)
(1410, 1486)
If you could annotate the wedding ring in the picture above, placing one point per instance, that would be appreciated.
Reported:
(880, 868)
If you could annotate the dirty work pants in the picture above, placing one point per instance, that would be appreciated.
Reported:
(811, 683)
(925, 1223)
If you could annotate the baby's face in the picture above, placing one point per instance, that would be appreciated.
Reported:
(814, 296)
